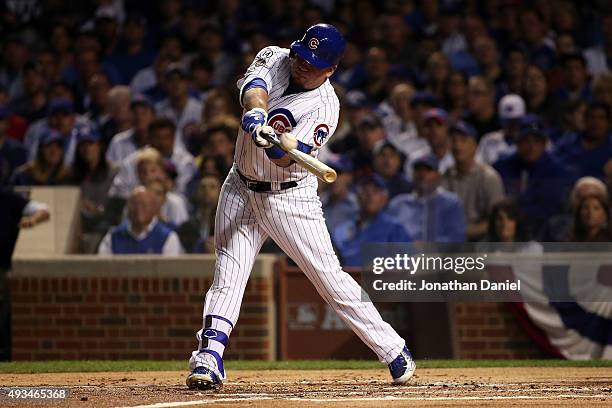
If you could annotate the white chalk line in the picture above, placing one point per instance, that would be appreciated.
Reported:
(366, 399)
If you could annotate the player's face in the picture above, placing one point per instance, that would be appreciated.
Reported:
(306, 75)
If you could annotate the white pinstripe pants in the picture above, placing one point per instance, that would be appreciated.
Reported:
(294, 220)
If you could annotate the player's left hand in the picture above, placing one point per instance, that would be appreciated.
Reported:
(253, 118)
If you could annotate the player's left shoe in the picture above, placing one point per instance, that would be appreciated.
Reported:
(402, 368)
(208, 375)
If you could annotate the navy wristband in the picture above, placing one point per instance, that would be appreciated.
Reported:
(275, 152)
(303, 147)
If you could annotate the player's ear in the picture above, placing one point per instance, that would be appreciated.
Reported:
(330, 71)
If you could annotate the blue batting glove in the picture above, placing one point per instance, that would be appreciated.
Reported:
(252, 119)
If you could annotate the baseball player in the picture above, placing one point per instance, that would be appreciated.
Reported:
(267, 195)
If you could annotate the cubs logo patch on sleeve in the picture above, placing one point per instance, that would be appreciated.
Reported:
(320, 134)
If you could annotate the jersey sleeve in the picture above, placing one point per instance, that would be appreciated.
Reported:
(317, 127)
(264, 66)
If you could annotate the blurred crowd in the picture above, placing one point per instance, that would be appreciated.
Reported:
(460, 120)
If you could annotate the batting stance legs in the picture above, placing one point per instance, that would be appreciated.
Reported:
(246, 220)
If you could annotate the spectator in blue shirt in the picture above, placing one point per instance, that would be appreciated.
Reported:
(430, 213)
(339, 200)
(585, 154)
(534, 178)
(142, 233)
(372, 226)
(12, 153)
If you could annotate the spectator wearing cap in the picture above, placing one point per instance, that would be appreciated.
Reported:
(430, 213)
(107, 26)
(339, 200)
(370, 133)
(132, 54)
(182, 109)
(577, 84)
(372, 225)
(136, 137)
(93, 174)
(33, 103)
(478, 185)
(481, 106)
(435, 132)
(495, 145)
(12, 153)
(142, 232)
(421, 103)
(388, 165)
(586, 153)
(61, 118)
(47, 169)
(162, 138)
(533, 177)
(355, 106)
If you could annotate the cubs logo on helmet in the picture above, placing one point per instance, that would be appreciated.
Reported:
(281, 120)
(320, 134)
(313, 43)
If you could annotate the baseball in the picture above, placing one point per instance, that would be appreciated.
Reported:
(288, 141)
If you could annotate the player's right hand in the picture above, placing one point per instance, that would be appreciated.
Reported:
(259, 140)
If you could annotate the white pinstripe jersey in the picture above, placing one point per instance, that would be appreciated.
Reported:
(312, 116)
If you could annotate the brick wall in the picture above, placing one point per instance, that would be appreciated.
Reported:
(490, 331)
(154, 316)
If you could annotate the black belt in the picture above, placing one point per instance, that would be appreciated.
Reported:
(264, 186)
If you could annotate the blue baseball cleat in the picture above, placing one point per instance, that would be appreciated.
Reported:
(402, 367)
(202, 378)
(207, 372)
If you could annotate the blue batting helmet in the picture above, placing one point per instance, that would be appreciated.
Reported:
(322, 46)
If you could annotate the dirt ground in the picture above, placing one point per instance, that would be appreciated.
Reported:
(578, 387)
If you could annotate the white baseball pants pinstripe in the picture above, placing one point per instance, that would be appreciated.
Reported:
(294, 220)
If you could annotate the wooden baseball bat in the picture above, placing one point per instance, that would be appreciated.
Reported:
(313, 165)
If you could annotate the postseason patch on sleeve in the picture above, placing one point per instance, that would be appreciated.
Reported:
(263, 57)
(321, 132)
